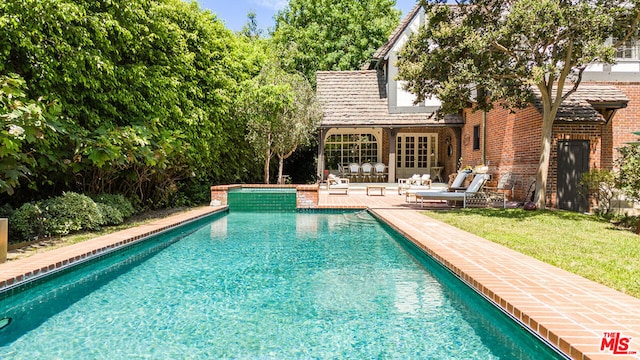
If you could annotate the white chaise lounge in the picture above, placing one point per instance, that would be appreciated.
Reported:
(474, 188)
(335, 183)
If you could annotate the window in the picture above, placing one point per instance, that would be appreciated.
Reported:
(343, 149)
(629, 50)
(476, 137)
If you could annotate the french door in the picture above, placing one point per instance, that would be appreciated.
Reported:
(416, 154)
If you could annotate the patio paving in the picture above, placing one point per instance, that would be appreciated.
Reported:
(568, 311)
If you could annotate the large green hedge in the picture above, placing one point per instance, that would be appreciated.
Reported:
(145, 90)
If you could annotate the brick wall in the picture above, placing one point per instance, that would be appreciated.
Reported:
(513, 145)
(625, 121)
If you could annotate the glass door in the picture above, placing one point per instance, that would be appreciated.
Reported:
(416, 154)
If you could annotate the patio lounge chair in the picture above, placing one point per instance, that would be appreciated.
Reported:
(414, 183)
(474, 190)
(335, 183)
(458, 182)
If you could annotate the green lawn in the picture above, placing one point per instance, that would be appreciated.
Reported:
(582, 244)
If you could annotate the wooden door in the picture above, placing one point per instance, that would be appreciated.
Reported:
(573, 161)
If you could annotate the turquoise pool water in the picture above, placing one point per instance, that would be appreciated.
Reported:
(262, 286)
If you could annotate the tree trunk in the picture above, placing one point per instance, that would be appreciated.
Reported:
(281, 159)
(267, 161)
(280, 167)
(638, 228)
(543, 163)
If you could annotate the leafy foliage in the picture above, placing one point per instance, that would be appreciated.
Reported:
(332, 34)
(25, 126)
(28, 222)
(628, 163)
(600, 185)
(503, 51)
(282, 113)
(71, 212)
(67, 214)
(116, 201)
(110, 215)
(146, 90)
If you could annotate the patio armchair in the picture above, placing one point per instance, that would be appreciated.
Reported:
(506, 182)
(380, 172)
(366, 172)
(354, 171)
(338, 184)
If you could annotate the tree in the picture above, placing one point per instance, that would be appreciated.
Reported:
(146, 89)
(282, 113)
(332, 34)
(506, 49)
(26, 128)
(628, 176)
(250, 30)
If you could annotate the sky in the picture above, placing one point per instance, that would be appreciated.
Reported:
(234, 12)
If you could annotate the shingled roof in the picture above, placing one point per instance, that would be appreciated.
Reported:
(583, 105)
(359, 99)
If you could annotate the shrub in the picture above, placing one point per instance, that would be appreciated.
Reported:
(28, 222)
(110, 215)
(600, 185)
(6, 210)
(72, 212)
(118, 202)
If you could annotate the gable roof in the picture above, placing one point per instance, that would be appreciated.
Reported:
(395, 35)
(583, 105)
(359, 99)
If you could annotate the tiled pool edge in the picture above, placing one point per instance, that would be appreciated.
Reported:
(18, 272)
(573, 339)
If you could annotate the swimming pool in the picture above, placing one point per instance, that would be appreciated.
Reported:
(256, 285)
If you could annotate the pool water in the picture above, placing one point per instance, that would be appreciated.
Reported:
(263, 286)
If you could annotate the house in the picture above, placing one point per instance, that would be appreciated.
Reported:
(368, 117)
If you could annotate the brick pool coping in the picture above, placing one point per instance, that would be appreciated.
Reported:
(566, 310)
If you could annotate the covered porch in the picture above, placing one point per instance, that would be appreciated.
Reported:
(359, 130)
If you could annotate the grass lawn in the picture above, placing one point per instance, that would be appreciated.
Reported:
(581, 244)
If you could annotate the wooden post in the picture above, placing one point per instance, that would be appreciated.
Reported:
(4, 239)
